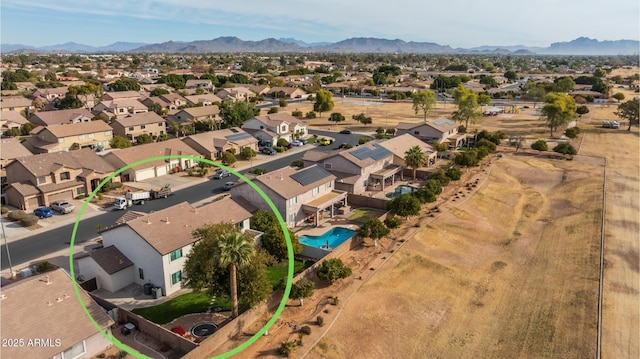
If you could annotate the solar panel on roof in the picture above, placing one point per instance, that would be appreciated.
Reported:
(442, 121)
(238, 136)
(377, 152)
(310, 175)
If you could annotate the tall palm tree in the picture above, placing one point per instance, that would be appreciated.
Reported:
(414, 158)
(233, 250)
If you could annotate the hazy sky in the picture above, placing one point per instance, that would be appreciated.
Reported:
(458, 23)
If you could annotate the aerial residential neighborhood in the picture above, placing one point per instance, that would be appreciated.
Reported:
(411, 196)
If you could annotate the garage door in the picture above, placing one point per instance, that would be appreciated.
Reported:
(33, 203)
(68, 195)
(145, 174)
(161, 170)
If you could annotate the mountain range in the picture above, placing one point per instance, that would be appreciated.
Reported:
(230, 44)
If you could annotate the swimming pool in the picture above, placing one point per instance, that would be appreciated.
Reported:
(334, 237)
(400, 190)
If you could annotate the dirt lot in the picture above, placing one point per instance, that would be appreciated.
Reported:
(509, 269)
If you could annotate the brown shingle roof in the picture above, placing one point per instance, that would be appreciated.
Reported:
(133, 154)
(11, 148)
(14, 101)
(59, 117)
(165, 237)
(203, 98)
(140, 119)
(25, 188)
(44, 164)
(401, 144)
(39, 308)
(212, 139)
(202, 111)
(12, 116)
(111, 259)
(80, 128)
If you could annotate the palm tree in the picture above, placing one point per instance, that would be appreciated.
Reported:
(414, 158)
(233, 250)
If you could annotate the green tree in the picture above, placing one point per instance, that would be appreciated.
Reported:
(176, 81)
(414, 158)
(332, 270)
(144, 138)
(273, 240)
(511, 75)
(559, 110)
(564, 84)
(565, 148)
(572, 132)
(236, 113)
(484, 99)
(373, 228)
(468, 107)
(323, 103)
(12, 132)
(301, 289)
(336, 117)
(233, 250)
(253, 282)
(599, 72)
(423, 101)
(125, 84)
(119, 142)
(540, 145)
(247, 153)
(535, 92)
(629, 111)
(362, 118)
(582, 110)
(283, 103)
(159, 91)
(27, 128)
(404, 205)
(272, 110)
(619, 96)
(202, 271)
(228, 158)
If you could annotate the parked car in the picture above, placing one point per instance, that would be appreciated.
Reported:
(227, 186)
(221, 174)
(345, 132)
(606, 124)
(62, 206)
(615, 124)
(268, 151)
(296, 143)
(324, 142)
(43, 212)
(262, 143)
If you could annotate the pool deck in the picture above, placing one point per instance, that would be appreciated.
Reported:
(317, 231)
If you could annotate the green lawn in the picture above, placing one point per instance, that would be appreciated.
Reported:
(279, 271)
(362, 214)
(195, 302)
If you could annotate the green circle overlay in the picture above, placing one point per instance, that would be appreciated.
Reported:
(271, 205)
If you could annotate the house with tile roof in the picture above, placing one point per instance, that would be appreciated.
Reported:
(92, 134)
(368, 167)
(11, 149)
(287, 93)
(61, 117)
(121, 95)
(206, 99)
(132, 126)
(301, 196)
(399, 146)
(170, 101)
(442, 130)
(156, 168)
(212, 144)
(204, 84)
(11, 119)
(194, 114)
(15, 103)
(43, 311)
(275, 126)
(50, 94)
(119, 108)
(37, 180)
(234, 94)
(159, 243)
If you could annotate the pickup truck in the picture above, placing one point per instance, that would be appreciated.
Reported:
(62, 206)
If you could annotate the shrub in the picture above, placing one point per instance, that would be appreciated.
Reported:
(228, 158)
(258, 171)
(565, 148)
(310, 115)
(320, 320)
(283, 103)
(110, 186)
(297, 113)
(453, 173)
(29, 220)
(540, 145)
(486, 143)
(288, 347)
(298, 163)
(100, 197)
(273, 110)
(282, 143)
(348, 146)
(16, 215)
(392, 221)
(279, 149)
(572, 132)
(333, 269)
(247, 152)
(4, 210)
(306, 330)
(44, 266)
(364, 140)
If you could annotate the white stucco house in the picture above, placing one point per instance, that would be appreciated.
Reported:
(111, 269)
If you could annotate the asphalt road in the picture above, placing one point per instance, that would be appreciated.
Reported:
(30, 248)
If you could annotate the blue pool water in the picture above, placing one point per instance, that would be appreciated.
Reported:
(336, 236)
(400, 190)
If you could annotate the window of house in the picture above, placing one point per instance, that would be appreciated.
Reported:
(315, 191)
(176, 254)
(141, 273)
(292, 217)
(65, 176)
(416, 132)
(92, 135)
(143, 127)
(74, 352)
(130, 128)
(327, 185)
(327, 166)
(42, 180)
(81, 137)
(293, 200)
(162, 132)
(283, 128)
(176, 277)
(107, 133)
(60, 140)
(160, 124)
(81, 190)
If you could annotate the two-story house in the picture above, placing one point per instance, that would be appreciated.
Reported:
(49, 322)
(122, 157)
(368, 167)
(212, 144)
(206, 99)
(195, 114)
(287, 93)
(11, 149)
(11, 119)
(301, 196)
(61, 117)
(37, 180)
(132, 126)
(204, 84)
(119, 108)
(159, 243)
(120, 95)
(235, 94)
(275, 126)
(442, 130)
(170, 101)
(399, 145)
(93, 134)
(50, 94)
(15, 103)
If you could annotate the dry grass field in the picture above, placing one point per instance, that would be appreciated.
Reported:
(511, 271)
